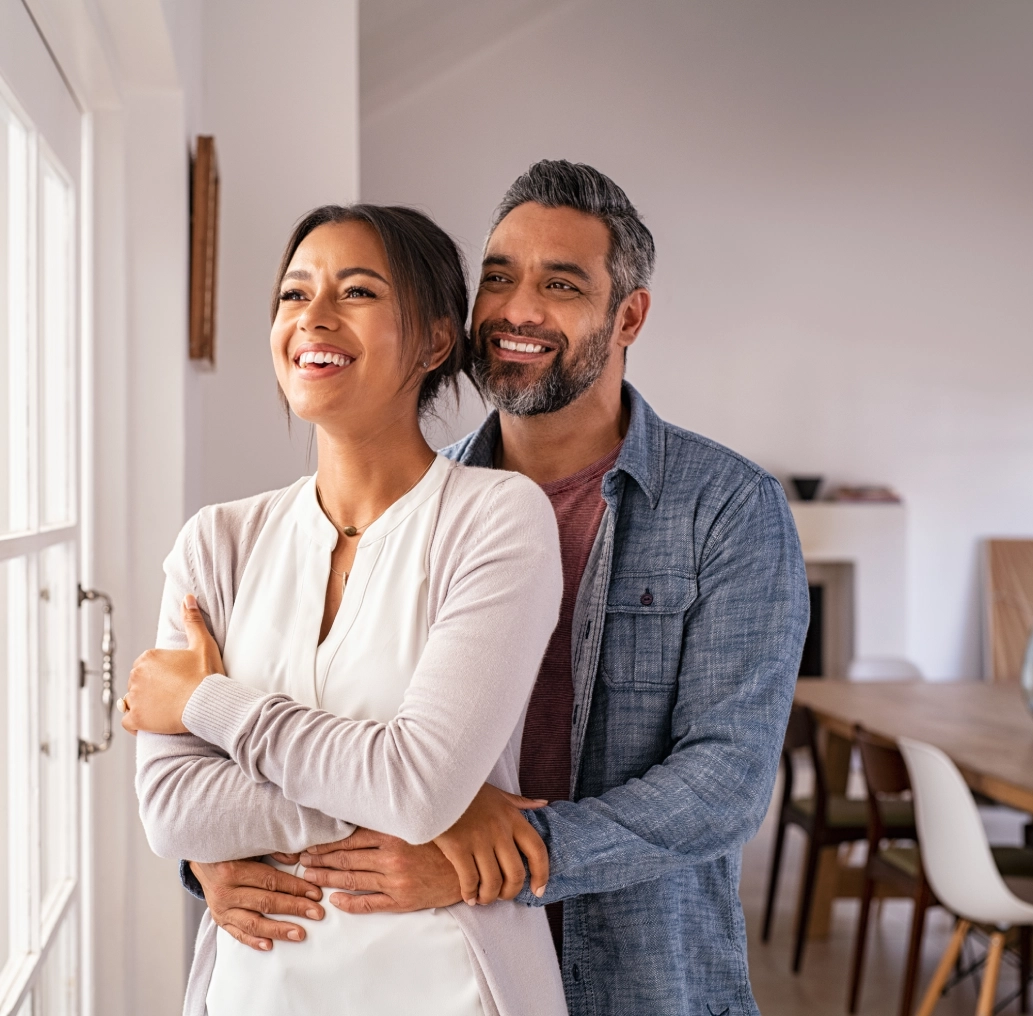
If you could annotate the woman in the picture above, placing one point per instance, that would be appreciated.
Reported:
(382, 623)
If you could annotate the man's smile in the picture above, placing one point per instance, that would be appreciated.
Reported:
(517, 349)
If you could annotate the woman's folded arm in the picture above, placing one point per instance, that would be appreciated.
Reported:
(414, 776)
(197, 803)
(194, 801)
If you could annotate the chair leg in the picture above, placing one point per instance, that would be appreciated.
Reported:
(859, 945)
(1025, 941)
(776, 863)
(950, 954)
(914, 949)
(988, 992)
(806, 899)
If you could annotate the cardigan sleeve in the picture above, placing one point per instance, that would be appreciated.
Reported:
(195, 802)
(414, 776)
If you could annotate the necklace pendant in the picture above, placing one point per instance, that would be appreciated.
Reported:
(349, 531)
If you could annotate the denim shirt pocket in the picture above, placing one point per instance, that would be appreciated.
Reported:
(642, 636)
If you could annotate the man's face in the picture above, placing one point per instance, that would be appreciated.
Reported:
(542, 327)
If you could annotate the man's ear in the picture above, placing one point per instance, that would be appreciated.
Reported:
(631, 316)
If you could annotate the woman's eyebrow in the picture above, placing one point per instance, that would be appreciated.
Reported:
(344, 273)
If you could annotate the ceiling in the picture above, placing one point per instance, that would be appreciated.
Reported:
(404, 43)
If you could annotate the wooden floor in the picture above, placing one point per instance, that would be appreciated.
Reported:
(820, 988)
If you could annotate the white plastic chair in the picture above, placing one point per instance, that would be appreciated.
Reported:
(959, 866)
(882, 668)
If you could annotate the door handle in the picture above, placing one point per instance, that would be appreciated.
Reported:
(87, 749)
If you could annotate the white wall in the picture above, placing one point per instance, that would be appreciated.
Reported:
(840, 195)
(281, 98)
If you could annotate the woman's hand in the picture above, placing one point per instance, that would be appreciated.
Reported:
(486, 844)
(162, 680)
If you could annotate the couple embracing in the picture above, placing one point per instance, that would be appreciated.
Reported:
(481, 731)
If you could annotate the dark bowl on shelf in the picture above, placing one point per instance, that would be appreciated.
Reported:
(806, 486)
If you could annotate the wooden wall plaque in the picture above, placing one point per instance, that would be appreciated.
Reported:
(204, 237)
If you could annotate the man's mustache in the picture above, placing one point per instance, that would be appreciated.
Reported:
(499, 326)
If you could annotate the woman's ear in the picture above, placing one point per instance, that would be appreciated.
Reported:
(442, 341)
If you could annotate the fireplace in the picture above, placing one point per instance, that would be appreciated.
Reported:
(855, 557)
(829, 646)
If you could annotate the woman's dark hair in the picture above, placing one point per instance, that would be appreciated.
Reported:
(429, 276)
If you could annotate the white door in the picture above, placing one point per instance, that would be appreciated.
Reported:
(40, 528)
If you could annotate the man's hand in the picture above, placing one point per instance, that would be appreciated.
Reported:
(478, 859)
(394, 876)
(240, 893)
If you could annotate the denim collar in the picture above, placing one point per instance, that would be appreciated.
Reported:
(642, 456)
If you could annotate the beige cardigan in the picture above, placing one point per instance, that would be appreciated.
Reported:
(260, 773)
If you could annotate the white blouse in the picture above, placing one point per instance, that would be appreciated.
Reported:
(371, 964)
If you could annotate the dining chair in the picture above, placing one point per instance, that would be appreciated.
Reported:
(892, 865)
(828, 819)
(960, 868)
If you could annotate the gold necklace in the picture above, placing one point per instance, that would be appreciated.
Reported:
(356, 530)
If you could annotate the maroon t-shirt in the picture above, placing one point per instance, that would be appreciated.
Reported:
(545, 750)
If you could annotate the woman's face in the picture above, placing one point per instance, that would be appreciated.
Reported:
(337, 338)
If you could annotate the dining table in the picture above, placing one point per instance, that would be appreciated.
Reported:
(985, 728)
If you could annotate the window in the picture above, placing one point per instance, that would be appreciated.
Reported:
(39, 560)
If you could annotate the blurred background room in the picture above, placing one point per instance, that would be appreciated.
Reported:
(842, 200)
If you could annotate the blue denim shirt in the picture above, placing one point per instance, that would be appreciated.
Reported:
(687, 635)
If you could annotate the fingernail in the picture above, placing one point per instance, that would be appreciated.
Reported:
(540, 891)
(191, 601)
(265, 945)
(309, 875)
(314, 915)
(305, 858)
(315, 894)
(472, 901)
(294, 936)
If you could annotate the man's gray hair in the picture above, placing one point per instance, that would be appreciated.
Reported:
(561, 184)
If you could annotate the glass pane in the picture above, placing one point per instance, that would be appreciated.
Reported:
(57, 350)
(14, 670)
(14, 372)
(6, 765)
(56, 990)
(58, 694)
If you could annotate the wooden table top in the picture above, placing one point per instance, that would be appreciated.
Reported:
(986, 729)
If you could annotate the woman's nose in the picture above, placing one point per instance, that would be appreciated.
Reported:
(319, 312)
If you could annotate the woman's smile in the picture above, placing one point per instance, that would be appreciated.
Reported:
(319, 360)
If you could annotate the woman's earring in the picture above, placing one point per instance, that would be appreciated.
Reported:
(425, 364)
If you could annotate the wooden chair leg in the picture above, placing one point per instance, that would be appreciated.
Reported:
(859, 945)
(988, 993)
(806, 899)
(1025, 943)
(776, 863)
(950, 954)
(914, 949)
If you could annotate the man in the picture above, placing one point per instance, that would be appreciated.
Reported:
(655, 727)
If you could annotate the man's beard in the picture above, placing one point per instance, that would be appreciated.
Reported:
(514, 388)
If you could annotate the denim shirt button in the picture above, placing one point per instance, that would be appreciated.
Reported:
(646, 598)
(575, 972)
